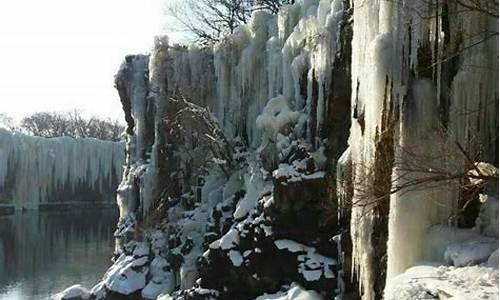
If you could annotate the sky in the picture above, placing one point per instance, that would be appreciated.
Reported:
(61, 55)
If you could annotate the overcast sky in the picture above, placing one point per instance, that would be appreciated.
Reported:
(58, 55)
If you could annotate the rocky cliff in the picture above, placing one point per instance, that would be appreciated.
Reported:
(309, 153)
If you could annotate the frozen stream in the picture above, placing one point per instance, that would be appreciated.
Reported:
(43, 253)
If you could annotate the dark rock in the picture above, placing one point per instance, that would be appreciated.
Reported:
(298, 211)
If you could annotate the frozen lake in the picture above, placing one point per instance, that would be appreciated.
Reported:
(42, 253)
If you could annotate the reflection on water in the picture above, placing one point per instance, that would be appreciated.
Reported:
(43, 253)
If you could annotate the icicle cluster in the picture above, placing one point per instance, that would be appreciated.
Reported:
(272, 86)
(275, 64)
(420, 67)
(268, 79)
(33, 168)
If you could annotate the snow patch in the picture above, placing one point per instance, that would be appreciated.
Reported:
(75, 291)
(470, 252)
(294, 292)
(431, 282)
(236, 258)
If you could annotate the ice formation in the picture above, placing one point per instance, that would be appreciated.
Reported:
(32, 169)
(403, 87)
(330, 108)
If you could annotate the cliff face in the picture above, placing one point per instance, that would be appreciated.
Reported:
(420, 110)
(243, 161)
(37, 172)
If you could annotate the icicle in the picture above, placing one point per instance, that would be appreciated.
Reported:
(39, 167)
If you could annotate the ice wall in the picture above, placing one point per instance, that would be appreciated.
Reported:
(32, 169)
(267, 85)
(418, 81)
(275, 64)
(421, 77)
(288, 55)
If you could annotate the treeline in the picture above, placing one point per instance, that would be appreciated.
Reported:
(73, 124)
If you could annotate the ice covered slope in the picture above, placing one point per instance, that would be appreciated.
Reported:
(32, 169)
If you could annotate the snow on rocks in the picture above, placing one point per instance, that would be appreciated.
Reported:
(300, 163)
(277, 117)
(493, 260)
(125, 229)
(291, 174)
(127, 275)
(487, 221)
(155, 288)
(293, 292)
(463, 246)
(99, 291)
(470, 252)
(158, 242)
(240, 258)
(290, 245)
(236, 258)
(162, 280)
(196, 293)
(255, 187)
(442, 282)
(228, 241)
(312, 265)
(140, 266)
(141, 249)
(481, 171)
(75, 292)
(440, 237)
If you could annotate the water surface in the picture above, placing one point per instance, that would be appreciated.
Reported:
(42, 253)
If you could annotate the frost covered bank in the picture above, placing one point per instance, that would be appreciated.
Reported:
(39, 171)
(334, 137)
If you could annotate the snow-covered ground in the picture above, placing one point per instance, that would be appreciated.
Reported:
(444, 282)
(462, 263)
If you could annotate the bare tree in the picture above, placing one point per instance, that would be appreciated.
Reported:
(488, 7)
(78, 123)
(8, 122)
(208, 20)
(199, 133)
(448, 166)
(271, 5)
(43, 124)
